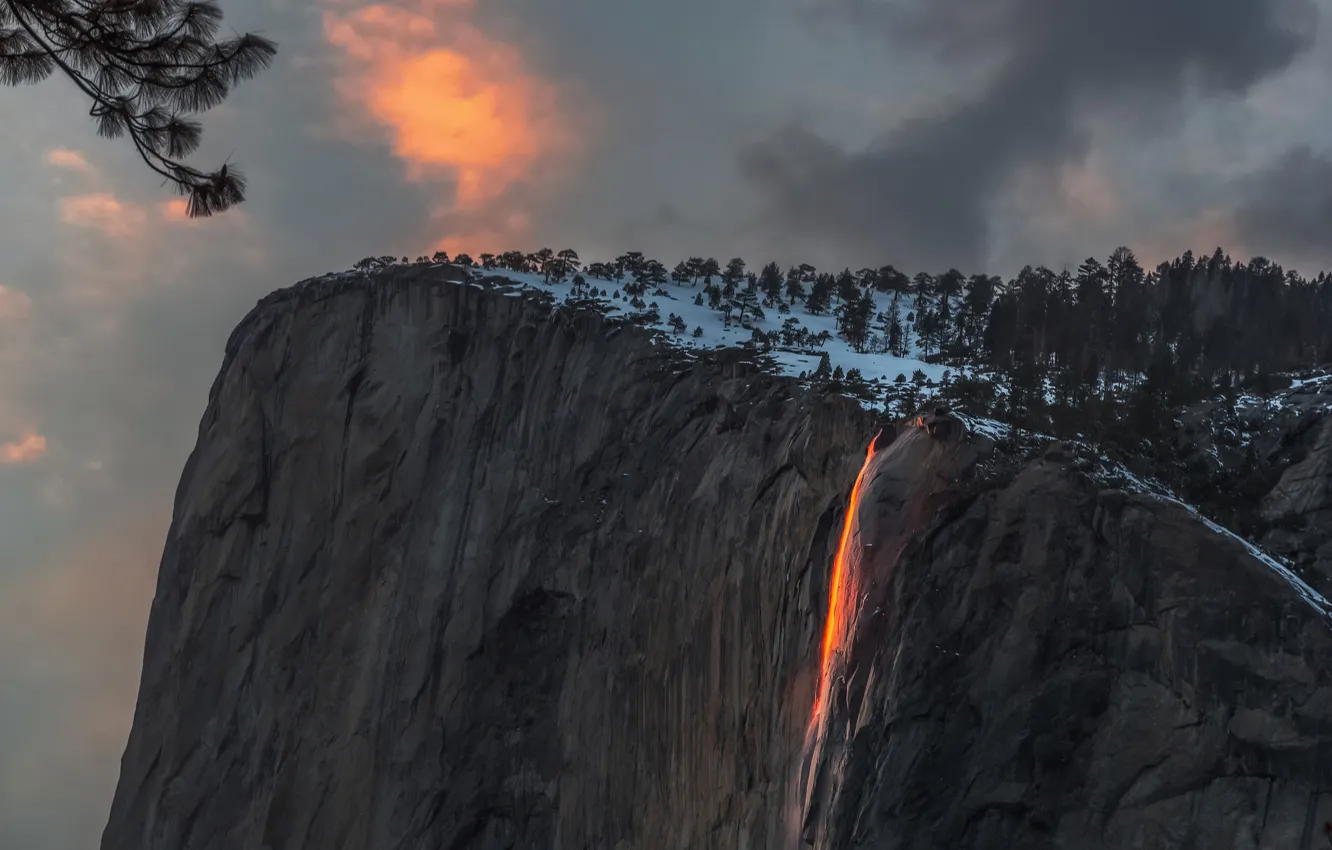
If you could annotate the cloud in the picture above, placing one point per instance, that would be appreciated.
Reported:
(175, 211)
(1202, 233)
(107, 213)
(71, 644)
(922, 194)
(103, 212)
(66, 158)
(1086, 190)
(455, 105)
(14, 304)
(28, 448)
(1286, 210)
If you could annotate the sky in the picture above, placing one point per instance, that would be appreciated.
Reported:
(977, 134)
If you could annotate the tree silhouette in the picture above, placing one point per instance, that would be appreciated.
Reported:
(545, 262)
(1104, 351)
(709, 269)
(566, 263)
(145, 64)
(770, 282)
(682, 273)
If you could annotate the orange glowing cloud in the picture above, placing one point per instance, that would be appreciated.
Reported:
(28, 448)
(175, 212)
(455, 104)
(495, 234)
(65, 158)
(102, 211)
(1202, 234)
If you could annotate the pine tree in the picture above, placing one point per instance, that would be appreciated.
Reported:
(695, 267)
(896, 334)
(707, 270)
(890, 279)
(824, 371)
(681, 274)
(145, 66)
(566, 263)
(795, 289)
(846, 290)
(770, 282)
(854, 317)
(714, 296)
(545, 263)
(733, 277)
(649, 274)
(820, 296)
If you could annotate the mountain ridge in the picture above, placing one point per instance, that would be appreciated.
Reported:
(454, 566)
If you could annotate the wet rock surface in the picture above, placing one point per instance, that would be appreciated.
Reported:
(1051, 663)
(450, 570)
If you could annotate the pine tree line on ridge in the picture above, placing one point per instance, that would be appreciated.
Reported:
(1103, 351)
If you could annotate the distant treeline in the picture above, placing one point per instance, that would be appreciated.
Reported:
(1106, 345)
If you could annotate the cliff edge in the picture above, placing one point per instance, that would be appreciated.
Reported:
(451, 569)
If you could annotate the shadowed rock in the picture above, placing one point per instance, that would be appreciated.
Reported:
(448, 570)
(1051, 664)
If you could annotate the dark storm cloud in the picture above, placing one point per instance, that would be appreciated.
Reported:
(921, 195)
(1288, 209)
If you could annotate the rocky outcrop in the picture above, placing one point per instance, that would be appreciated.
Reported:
(448, 569)
(1046, 663)
(1299, 507)
(1265, 467)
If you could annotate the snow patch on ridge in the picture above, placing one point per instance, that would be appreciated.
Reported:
(878, 369)
(1155, 491)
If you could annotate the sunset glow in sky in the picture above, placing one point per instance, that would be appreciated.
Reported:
(462, 112)
(835, 132)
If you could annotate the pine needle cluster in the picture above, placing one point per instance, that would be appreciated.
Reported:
(145, 65)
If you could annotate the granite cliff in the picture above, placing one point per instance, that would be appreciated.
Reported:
(450, 569)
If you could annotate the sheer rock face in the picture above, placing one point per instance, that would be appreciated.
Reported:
(447, 571)
(1050, 664)
(1284, 454)
(1301, 502)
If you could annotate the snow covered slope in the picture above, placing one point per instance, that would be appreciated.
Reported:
(876, 368)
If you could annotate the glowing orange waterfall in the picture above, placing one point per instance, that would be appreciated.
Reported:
(834, 631)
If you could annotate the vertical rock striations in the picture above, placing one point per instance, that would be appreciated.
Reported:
(448, 572)
(1046, 663)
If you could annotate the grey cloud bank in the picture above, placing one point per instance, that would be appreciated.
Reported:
(922, 194)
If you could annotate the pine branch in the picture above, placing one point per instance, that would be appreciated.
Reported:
(144, 64)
